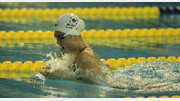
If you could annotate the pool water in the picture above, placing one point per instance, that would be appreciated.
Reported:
(143, 79)
(153, 78)
(155, 82)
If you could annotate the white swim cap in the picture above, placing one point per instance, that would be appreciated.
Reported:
(70, 24)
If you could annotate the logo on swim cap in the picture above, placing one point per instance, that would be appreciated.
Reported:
(70, 24)
(74, 20)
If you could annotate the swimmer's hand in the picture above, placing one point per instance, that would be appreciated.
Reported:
(46, 69)
(58, 73)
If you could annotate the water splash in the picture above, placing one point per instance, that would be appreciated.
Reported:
(63, 65)
(144, 76)
(151, 76)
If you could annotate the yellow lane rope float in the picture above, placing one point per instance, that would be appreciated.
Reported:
(36, 20)
(20, 69)
(109, 33)
(88, 13)
(17, 75)
(29, 66)
(125, 43)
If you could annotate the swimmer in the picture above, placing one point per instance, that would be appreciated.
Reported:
(68, 30)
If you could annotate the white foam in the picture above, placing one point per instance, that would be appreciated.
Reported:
(65, 64)
(62, 65)
(151, 76)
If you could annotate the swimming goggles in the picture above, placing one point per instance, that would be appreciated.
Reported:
(60, 37)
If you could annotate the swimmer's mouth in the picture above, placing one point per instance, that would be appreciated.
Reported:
(62, 48)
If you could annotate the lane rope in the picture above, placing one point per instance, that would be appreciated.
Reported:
(109, 33)
(87, 13)
(29, 66)
(17, 68)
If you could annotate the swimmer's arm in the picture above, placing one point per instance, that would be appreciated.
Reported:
(54, 74)
(88, 61)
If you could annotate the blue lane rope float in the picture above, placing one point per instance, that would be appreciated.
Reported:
(169, 10)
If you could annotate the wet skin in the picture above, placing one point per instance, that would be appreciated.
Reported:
(84, 60)
(70, 43)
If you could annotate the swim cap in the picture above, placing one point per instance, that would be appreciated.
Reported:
(70, 24)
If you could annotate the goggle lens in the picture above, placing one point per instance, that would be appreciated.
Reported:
(60, 37)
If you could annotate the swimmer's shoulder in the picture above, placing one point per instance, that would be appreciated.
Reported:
(88, 58)
(87, 55)
(88, 51)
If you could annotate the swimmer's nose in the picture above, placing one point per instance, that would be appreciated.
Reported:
(58, 42)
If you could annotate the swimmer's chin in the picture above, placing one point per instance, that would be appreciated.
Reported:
(61, 47)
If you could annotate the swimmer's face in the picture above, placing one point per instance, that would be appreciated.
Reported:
(70, 43)
(59, 36)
